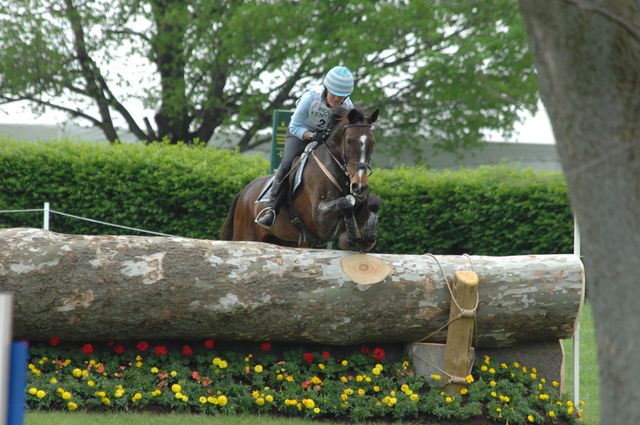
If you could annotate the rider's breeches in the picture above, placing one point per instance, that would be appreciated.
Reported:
(292, 148)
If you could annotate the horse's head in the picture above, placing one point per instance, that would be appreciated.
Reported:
(354, 139)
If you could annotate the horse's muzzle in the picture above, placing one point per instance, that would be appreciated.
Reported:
(359, 190)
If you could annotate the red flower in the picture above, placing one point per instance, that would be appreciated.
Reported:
(364, 349)
(54, 341)
(119, 349)
(187, 351)
(87, 349)
(378, 354)
(195, 375)
(265, 346)
(325, 355)
(209, 343)
(160, 350)
(142, 346)
(308, 357)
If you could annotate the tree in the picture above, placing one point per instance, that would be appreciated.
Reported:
(588, 56)
(438, 70)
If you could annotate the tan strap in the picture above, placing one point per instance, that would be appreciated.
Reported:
(326, 172)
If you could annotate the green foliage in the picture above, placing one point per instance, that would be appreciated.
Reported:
(187, 191)
(171, 189)
(491, 210)
(196, 378)
(440, 70)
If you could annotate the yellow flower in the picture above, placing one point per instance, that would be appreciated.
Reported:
(344, 397)
(289, 378)
(483, 368)
(569, 403)
(544, 396)
(279, 377)
(72, 406)
(503, 365)
(202, 400)
(66, 395)
(414, 397)
(308, 403)
(321, 366)
(376, 371)
(136, 397)
(487, 359)
(154, 370)
(316, 410)
(176, 388)
(269, 398)
(493, 394)
(105, 401)
(40, 394)
(555, 383)
(223, 364)
(516, 364)
(498, 409)
(222, 400)
(255, 394)
(156, 393)
(361, 391)
(316, 380)
(53, 380)
(469, 379)
(344, 363)
(138, 364)
(570, 410)
(91, 384)
(530, 418)
(504, 399)
(118, 393)
(464, 391)
(448, 399)
(258, 368)
(492, 383)
(533, 376)
(436, 377)
(77, 373)
(552, 413)
(33, 390)
(173, 373)
(85, 373)
(376, 388)
(492, 370)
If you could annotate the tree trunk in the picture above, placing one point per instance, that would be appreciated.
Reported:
(129, 287)
(588, 55)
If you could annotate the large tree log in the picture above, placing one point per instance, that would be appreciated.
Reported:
(129, 287)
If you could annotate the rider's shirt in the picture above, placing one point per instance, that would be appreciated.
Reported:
(312, 113)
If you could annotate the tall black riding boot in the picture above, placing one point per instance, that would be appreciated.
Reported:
(267, 216)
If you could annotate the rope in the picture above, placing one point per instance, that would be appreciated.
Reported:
(20, 211)
(452, 379)
(462, 312)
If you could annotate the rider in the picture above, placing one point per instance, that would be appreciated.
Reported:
(309, 120)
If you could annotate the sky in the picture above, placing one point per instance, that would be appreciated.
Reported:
(535, 128)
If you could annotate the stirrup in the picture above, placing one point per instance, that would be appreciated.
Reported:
(261, 214)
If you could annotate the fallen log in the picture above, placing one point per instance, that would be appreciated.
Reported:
(128, 287)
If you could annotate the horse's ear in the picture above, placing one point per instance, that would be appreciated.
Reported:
(338, 113)
(373, 117)
(354, 116)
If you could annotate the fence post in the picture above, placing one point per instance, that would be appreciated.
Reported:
(6, 315)
(576, 335)
(45, 224)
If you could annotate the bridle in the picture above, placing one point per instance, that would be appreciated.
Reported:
(342, 165)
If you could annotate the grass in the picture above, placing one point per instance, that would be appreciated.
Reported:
(589, 392)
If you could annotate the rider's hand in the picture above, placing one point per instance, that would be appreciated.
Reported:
(314, 137)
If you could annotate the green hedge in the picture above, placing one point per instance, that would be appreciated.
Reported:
(187, 191)
(177, 190)
(491, 210)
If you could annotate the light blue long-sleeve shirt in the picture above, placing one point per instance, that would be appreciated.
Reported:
(312, 113)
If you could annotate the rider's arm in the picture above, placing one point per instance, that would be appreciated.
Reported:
(297, 124)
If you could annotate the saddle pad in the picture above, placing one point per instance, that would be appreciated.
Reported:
(265, 195)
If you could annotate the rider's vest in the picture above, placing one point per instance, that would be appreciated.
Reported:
(312, 112)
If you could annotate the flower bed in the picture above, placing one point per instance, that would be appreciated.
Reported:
(201, 378)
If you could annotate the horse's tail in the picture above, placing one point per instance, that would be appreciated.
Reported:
(226, 231)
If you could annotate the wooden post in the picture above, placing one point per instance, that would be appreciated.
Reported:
(457, 359)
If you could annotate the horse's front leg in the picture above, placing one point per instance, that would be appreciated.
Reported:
(343, 205)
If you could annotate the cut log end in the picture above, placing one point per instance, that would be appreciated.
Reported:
(364, 269)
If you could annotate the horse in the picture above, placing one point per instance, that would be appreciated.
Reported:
(332, 204)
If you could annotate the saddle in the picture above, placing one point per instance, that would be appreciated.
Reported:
(295, 181)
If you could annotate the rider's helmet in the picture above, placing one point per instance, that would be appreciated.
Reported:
(339, 81)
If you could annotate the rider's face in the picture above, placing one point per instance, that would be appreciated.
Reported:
(333, 100)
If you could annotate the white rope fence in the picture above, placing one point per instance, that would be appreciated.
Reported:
(48, 211)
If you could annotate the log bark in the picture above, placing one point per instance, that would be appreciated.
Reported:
(129, 287)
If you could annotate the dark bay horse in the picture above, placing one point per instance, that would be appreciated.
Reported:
(333, 202)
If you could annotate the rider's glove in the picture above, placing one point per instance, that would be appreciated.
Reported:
(314, 137)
